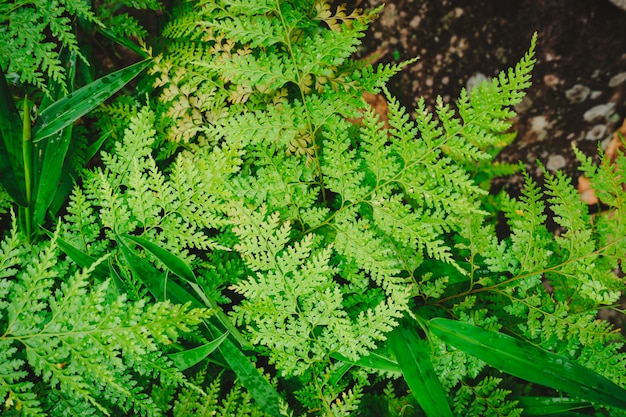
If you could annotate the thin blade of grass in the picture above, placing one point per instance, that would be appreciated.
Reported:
(528, 362)
(550, 406)
(72, 107)
(171, 261)
(182, 270)
(413, 354)
(151, 277)
(373, 361)
(82, 259)
(11, 159)
(262, 391)
(50, 155)
(190, 357)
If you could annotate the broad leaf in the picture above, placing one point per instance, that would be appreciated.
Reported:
(526, 361)
(188, 358)
(50, 155)
(550, 406)
(72, 107)
(171, 261)
(11, 158)
(413, 354)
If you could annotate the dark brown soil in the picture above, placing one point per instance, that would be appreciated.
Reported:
(579, 81)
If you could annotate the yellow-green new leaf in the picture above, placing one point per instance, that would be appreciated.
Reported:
(528, 362)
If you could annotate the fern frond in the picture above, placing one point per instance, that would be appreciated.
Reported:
(75, 339)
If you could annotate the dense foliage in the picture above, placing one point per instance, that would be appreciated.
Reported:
(255, 240)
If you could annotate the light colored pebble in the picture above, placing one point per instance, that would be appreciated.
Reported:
(539, 123)
(596, 133)
(617, 79)
(601, 111)
(474, 80)
(578, 93)
(556, 162)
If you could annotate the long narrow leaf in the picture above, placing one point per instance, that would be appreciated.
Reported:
(171, 261)
(373, 360)
(550, 406)
(266, 397)
(413, 354)
(11, 160)
(82, 259)
(50, 155)
(181, 269)
(528, 362)
(262, 391)
(72, 107)
(151, 277)
(188, 358)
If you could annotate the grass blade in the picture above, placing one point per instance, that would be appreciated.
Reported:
(413, 354)
(550, 406)
(262, 391)
(51, 155)
(373, 361)
(82, 259)
(525, 361)
(72, 107)
(171, 261)
(265, 395)
(27, 155)
(190, 357)
(11, 159)
(151, 277)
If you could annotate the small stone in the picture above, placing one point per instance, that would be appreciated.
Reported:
(620, 3)
(539, 123)
(578, 93)
(474, 80)
(551, 80)
(524, 105)
(415, 22)
(596, 133)
(617, 79)
(601, 111)
(556, 162)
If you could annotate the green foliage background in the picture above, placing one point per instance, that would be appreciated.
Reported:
(254, 240)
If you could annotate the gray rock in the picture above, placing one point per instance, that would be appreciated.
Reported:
(617, 79)
(601, 111)
(578, 93)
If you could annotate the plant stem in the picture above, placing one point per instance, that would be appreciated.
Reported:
(27, 153)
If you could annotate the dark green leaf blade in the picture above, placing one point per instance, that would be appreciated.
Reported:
(11, 159)
(188, 358)
(525, 361)
(413, 355)
(72, 107)
(151, 277)
(50, 155)
(549, 406)
(171, 261)
(262, 391)
(373, 360)
(82, 259)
